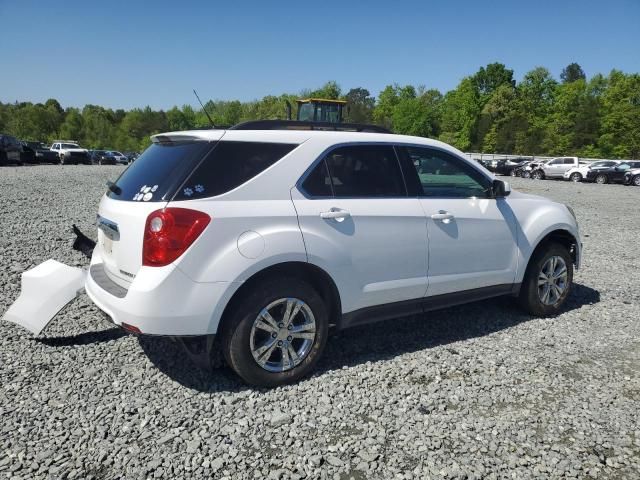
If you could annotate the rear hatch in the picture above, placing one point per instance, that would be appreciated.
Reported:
(145, 186)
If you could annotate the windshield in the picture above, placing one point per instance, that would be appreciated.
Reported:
(306, 112)
(70, 145)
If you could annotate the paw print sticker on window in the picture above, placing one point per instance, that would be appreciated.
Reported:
(187, 191)
(199, 188)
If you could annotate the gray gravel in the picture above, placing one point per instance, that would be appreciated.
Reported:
(479, 391)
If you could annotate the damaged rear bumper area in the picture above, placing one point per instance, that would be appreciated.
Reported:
(48, 287)
(159, 301)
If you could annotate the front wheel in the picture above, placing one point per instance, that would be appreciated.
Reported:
(602, 179)
(636, 180)
(547, 281)
(277, 333)
(576, 177)
(526, 174)
(537, 175)
(513, 173)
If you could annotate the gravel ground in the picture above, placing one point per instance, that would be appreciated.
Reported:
(478, 391)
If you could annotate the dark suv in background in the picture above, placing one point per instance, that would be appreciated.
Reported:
(11, 151)
(41, 152)
(102, 157)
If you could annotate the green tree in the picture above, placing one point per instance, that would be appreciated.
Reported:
(488, 79)
(460, 111)
(571, 73)
(360, 105)
(620, 131)
(72, 127)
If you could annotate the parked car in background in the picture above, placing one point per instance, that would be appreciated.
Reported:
(28, 154)
(554, 168)
(613, 174)
(577, 174)
(131, 156)
(528, 168)
(69, 152)
(505, 167)
(102, 157)
(632, 177)
(120, 158)
(10, 150)
(42, 152)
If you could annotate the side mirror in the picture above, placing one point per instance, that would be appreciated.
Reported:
(500, 189)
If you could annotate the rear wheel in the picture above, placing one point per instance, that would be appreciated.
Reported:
(602, 179)
(513, 173)
(576, 177)
(277, 333)
(636, 180)
(548, 280)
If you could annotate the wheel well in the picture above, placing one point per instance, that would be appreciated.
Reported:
(563, 237)
(320, 280)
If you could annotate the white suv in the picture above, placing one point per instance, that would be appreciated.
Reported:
(266, 238)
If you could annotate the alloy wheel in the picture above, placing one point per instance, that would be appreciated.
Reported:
(636, 180)
(601, 179)
(282, 334)
(576, 177)
(552, 280)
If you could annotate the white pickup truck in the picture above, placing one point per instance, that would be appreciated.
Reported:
(555, 168)
(69, 152)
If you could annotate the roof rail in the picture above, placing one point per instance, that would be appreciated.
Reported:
(302, 125)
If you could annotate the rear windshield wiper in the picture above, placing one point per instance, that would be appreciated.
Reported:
(113, 187)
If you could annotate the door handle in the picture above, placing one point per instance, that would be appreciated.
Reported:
(443, 216)
(336, 214)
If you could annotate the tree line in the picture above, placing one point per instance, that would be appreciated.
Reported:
(488, 112)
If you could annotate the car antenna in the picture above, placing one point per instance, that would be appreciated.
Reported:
(204, 109)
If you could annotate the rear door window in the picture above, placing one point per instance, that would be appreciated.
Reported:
(229, 165)
(159, 171)
(365, 171)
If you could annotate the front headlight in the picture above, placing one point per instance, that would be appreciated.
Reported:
(573, 214)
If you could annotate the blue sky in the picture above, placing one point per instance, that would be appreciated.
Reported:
(125, 54)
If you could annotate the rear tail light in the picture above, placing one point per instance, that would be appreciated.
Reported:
(169, 232)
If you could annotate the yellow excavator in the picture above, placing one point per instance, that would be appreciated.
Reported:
(319, 110)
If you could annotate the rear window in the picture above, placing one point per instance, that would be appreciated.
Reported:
(159, 171)
(229, 165)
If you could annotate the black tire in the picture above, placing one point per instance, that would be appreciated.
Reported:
(236, 331)
(537, 175)
(636, 181)
(513, 173)
(529, 298)
(576, 177)
(602, 179)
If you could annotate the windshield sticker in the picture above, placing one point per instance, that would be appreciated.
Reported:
(199, 188)
(147, 196)
(136, 197)
(187, 191)
(154, 188)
